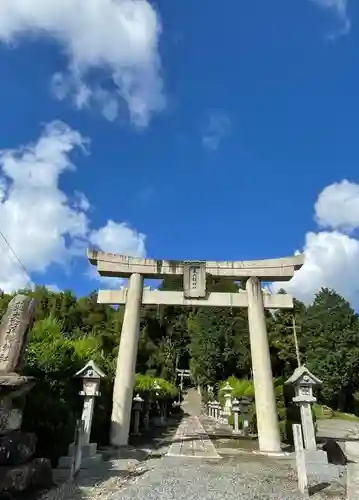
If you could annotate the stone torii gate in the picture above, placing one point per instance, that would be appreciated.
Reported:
(195, 294)
(182, 373)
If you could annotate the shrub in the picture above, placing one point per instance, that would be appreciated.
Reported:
(51, 408)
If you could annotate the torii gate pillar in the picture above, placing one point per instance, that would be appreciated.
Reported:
(266, 406)
(126, 363)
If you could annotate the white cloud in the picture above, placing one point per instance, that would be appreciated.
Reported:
(217, 127)
(44, 225)
(114, 236)
(119, 37)
(331, 261)
(338, 206)
(340, 9)
(331, 257)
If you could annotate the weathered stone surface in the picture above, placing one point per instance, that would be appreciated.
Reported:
(10, 419)
(17, 448)
(37, 474)
(42, 473)
(14, 327)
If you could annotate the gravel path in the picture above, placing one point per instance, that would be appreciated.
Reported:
(185, 478)
(193, 470)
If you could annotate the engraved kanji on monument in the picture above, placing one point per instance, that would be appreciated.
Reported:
(194, 280)
(14, 328)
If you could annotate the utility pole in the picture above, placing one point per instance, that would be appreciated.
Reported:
(296, 342)
(294, 328)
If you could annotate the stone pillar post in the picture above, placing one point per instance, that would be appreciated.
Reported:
(146, 419)
(163, 413)
(126, 363)
(244, 408)
(235, 410)
(308, 426)
(217, 409)
(137, 406)
(87, 414)
(266, 408)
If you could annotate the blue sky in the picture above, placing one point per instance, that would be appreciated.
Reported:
(199, 130)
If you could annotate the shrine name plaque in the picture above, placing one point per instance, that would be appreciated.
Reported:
(194, 280)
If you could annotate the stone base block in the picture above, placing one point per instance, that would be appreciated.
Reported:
(86, 462)
(17, 447)
(323, 473)
(316, 457)
(88, 450)
(36, 473)
(10, 420)
(318, 466)
(272, 454)
(89, 457)
(159, 421)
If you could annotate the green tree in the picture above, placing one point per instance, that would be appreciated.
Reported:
(331, 343)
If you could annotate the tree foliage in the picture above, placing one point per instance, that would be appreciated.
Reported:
(213, 342)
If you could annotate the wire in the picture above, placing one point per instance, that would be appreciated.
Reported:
(17, 258)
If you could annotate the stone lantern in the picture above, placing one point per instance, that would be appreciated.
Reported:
(161, 420)
(210, 409)
(227, 389)
(137, 407)
(304, 382)
(244, 404)
(227, 409)
(91, 376)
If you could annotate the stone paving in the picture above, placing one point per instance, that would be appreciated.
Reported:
(338, 429)
(347, 434)
(352, 453)
(191, 440)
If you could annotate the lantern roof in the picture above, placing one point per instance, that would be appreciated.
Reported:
(91, 371)
(302, 375)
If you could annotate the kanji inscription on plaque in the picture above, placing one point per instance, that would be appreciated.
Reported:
(194, 280)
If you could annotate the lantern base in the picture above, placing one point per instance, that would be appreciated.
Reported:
(87, 450)
(89, 457)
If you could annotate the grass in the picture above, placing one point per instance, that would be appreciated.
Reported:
(321, 415)
(346, 416)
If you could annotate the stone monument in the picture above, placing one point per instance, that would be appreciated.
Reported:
(18, 469)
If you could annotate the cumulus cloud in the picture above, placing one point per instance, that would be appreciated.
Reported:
(113, 235)
(331, 256)
(42, 223)
(217, 127)
(118, 37)
(338, 206)
(116, 238)
(340, 9)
